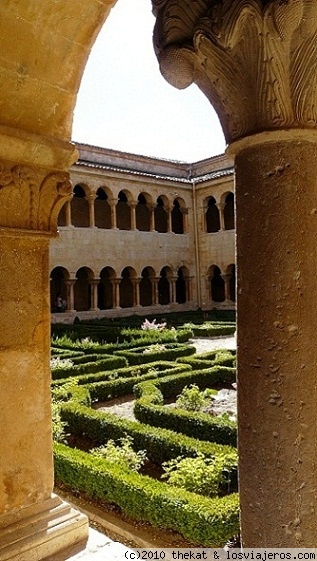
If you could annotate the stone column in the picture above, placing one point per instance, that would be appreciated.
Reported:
(31, 196)
(68, 214)
(226, 279)
(184, 212)
(113, 205)
(221, 207)
(155, 294)
(91, 201)
(70, 294)
(172, 281)
(116, 292)
(256, 61)
(132, 205)
(94, 294)
(169, 219)
(151, 208)
(136, 292)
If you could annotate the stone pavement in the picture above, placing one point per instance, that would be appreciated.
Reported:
(98, 548)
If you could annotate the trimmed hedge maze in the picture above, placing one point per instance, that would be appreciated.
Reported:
(151, 367)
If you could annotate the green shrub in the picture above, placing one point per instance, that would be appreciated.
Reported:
(204, 521)
(106, 362)
(192, 399)
(199, 475)
(121, 454)
(169, 351)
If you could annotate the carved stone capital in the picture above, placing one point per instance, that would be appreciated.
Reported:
(32, 197)
(255, 60)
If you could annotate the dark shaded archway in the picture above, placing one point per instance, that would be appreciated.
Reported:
(80, 208)
(146, 287)
(212, 217)
(161, 216)
(82, 289)
(126, 288)
(59, 275)
(143, 214)
(217, 285)
(164, 289)
(105, 289)
(123, 212)
(102, 210)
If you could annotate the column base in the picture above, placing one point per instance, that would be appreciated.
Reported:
(41, 530)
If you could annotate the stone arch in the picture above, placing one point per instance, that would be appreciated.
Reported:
(102, 209)
(59, 276)
(212, 217)
(105, 289)
(231, 271)
(80, 207)
(123, 210)
(228, 211)
(217, 285)
(143, 212)
(181, 285)
(126, 288)
(161, 214)
(177, 216)
(164, 287)
(146, 286)
(82, 289)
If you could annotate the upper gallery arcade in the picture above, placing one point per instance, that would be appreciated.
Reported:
(256, 62)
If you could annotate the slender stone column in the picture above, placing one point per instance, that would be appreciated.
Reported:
(133, 205)
(68, 214)
(151, 208)
(91, 201)
(226, 278)
(113, 205)
(220, 207)
(172, 281)
(116, 292)
(256, 61)
(136, 291)
(70, 294)
(31, 197)
(155, 294)
(169, 219)
(94, 294)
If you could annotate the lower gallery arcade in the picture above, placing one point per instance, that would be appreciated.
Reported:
(143, 235)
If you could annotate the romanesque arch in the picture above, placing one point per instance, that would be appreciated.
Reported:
(102, 209)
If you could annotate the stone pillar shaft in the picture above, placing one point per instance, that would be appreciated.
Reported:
(277, 390)
(24, 358)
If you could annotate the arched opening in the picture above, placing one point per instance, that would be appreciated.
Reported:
(80, 208)
(177, 218)
(164, 296)
(217, 285)
(146, 287)
(82, 289)
(231, 271)
(126, 289)
(143, 214)
(105, 289)
(181, 292)
(228, 212)
(160, 216)
(212, 217)
(102, 210)
(59, 275)
(123, 212)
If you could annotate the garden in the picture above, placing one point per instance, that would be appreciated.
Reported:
(171, 461)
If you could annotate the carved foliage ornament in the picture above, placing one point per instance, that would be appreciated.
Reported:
(30, 199)
(255, 60)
